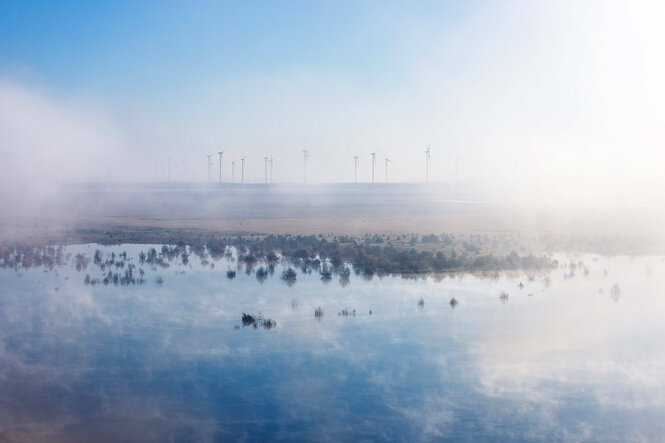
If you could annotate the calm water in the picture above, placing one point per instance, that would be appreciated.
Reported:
(172, 362)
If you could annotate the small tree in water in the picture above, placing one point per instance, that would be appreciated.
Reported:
(289, 276)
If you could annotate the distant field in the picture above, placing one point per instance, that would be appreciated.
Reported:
(87, 212)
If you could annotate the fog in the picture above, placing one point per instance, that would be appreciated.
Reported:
(555, 102)
(518, 283)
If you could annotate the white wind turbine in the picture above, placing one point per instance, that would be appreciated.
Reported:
(265, 164)
(373, 163)
(270, 161)
(242, 170)
(209, 165)
(233, 171)
(387, 161)
(221, 153)
(355, 165)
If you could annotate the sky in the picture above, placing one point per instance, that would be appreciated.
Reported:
(562, 98)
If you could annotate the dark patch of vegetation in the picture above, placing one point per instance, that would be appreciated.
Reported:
(257, 321)
(326, 273)
(318, 313)
(344, 276)
(289, 276)
(346, 313)
(421, 302)
(431, 238)
(453, 302)
(369, 255)
(81, 262)
(261, 274)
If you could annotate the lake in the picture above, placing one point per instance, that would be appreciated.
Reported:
(576, 353)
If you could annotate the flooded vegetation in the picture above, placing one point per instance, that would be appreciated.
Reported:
(257, 321)
(368, 255)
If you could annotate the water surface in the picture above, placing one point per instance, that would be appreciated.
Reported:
(559, 358)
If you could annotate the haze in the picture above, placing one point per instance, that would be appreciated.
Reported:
(510, 289)
(557, 98)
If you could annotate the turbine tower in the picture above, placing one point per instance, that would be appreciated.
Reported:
(265, 164)
(373, 162)
(233, 172)
(427, 164)
(306, 155)
(242, 170)
(168, 170)
(271, 169)
(355, 164)
(387, 161)
(221, 153)
(209, 165)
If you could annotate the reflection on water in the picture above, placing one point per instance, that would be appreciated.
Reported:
(574, 354)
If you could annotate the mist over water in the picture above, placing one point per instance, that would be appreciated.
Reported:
(510, 289)
(143, 211)
(560, 356)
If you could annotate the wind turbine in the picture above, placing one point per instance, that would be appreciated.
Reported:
(265, 164)
(221, 153)
(233, 172)
(271, 169)
(355, 164)
(242, 170)
(168, 170)
(306, 155)
(427, 164)
(209, 165)
(373, 162)
(387, 161)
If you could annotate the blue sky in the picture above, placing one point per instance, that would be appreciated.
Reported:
(129, 47)
(513, 92)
